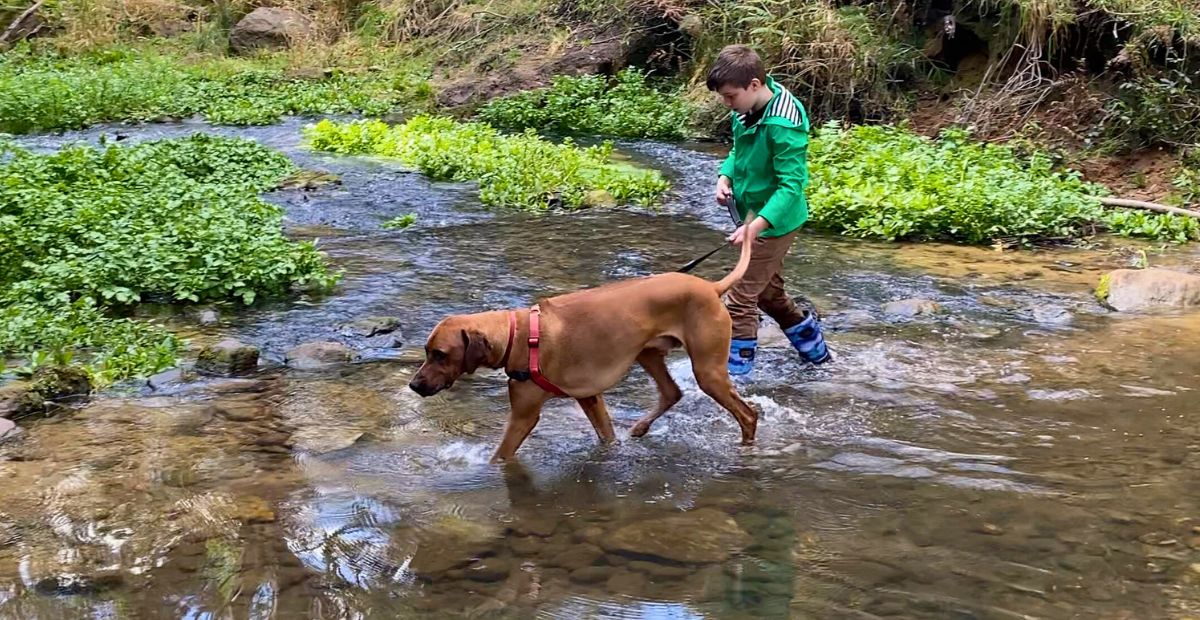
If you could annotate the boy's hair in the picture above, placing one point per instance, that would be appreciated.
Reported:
(737, 65)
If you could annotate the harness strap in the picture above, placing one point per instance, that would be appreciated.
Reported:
(512, 334)
(534, 370)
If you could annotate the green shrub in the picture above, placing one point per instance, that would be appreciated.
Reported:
(1162, 107)
(87, 231)
(521, 171)
(592, 104)
(883, 182)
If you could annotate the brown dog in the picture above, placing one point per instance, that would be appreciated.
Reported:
(587, 341)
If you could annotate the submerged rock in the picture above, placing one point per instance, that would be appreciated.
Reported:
(1129, 290)
(316, 355)
(908, 308)
(370, 326)
(309, 179)
(208, 317)
(702, 536)
(1049, 314)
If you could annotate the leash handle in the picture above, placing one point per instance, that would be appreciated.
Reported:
(731, 205)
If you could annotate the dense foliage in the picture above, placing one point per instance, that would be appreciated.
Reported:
(520, 171)
(884, 182)
(593, 104)
(45, 92)
(85, 232)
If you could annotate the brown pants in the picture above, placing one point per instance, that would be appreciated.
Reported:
(762, 288)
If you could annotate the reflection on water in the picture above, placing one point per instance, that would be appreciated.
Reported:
(1022, 454)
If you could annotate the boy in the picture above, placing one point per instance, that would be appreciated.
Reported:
(765, 173)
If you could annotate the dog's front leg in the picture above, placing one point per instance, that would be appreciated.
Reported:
(525, 401)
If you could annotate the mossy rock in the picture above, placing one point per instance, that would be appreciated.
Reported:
(54, 382)
(228, 357)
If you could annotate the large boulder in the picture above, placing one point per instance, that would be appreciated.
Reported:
(1130, 290)
(268, 28)
(702, 536)
(228, 357)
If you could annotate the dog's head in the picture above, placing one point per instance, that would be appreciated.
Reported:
(454, 348)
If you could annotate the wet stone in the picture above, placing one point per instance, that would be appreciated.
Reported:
(655, 569)
(19, 399)
(209, 317)
(527, 546)
(272, 439)
(489, 569)
(627, 583)
(228, 357)
(591, 533)
(908, 308)
(318, 355)
(541, 526)
(991, 529)
(370, 326)
(578, 556)
(1161, 539)
(9, 430)
(592, 574)
(701, 536)
(254, 509)
(240, 411)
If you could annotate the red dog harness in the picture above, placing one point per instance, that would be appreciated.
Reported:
(534, 372)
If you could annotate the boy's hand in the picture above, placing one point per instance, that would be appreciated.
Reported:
(757, 226)
(724, 191)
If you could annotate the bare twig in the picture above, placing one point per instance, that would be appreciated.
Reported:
(1148, 206)
(7, 37)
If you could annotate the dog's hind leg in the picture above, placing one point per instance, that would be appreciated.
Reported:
(709, 354)
(597, 414)
(525, 401)
(655, 363)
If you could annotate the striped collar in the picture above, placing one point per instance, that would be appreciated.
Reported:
(783, 105)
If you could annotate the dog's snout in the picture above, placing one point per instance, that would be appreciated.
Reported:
(421, 387)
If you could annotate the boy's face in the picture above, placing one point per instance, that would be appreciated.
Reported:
(739, 99)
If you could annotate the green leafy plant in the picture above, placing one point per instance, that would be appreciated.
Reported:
(521, 171)
(401, 222)
(86, 232)
(885, 182)
(46, 92)
(592, 104)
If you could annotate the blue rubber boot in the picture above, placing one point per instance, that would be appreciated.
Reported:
(806, 338)
(741, 356)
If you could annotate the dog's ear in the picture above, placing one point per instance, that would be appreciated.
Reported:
(475, 350)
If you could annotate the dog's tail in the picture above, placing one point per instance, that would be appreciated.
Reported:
(743, 264)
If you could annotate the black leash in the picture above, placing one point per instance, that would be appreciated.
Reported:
(731, 205)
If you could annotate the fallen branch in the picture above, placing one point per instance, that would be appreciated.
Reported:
(1148, 206)
(16, 25)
